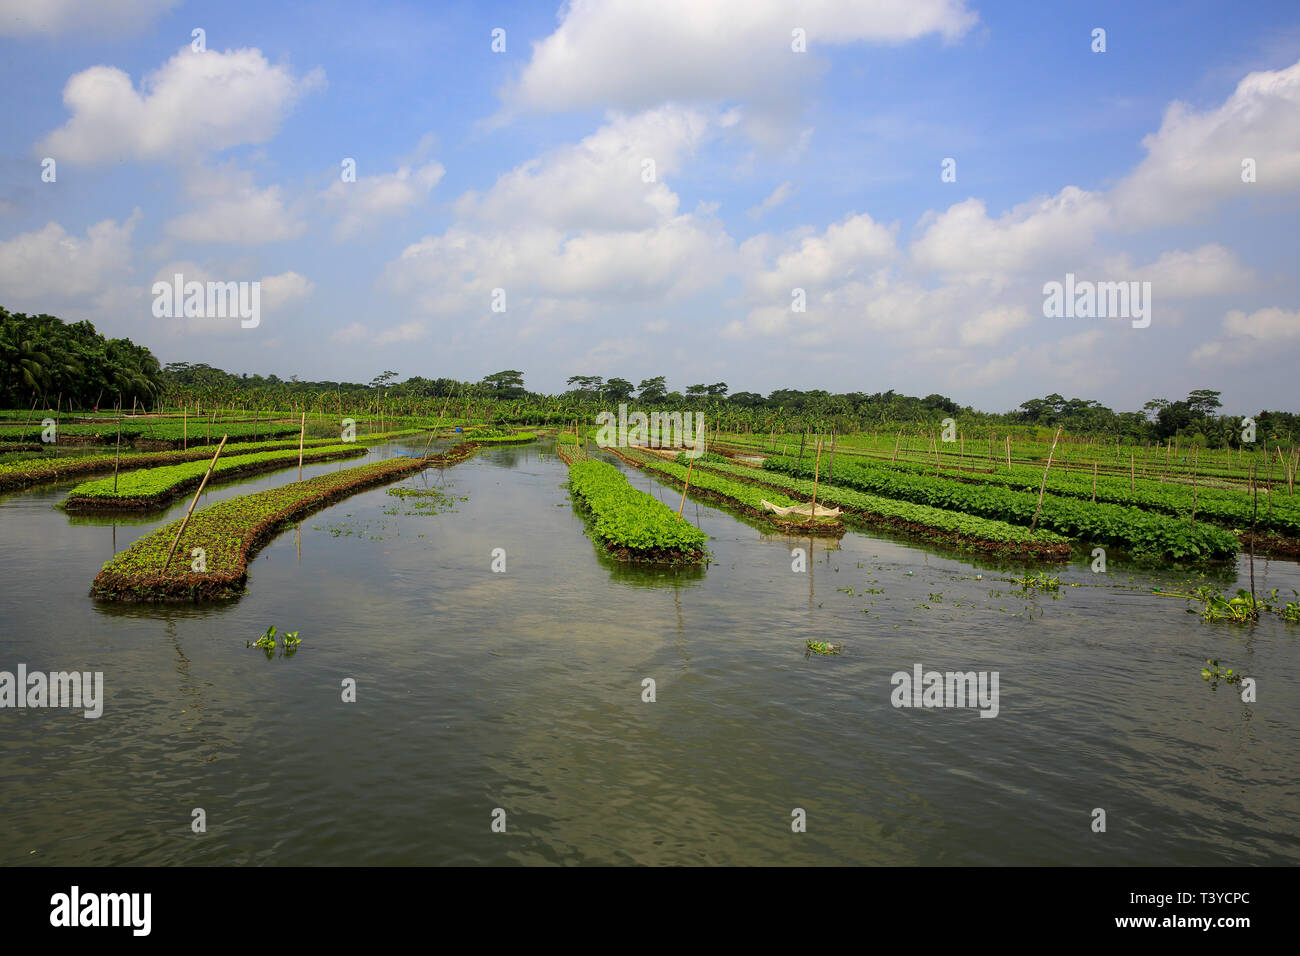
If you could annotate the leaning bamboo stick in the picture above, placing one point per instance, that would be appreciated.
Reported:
(302, 434)
(1043, 487)
(186, 520)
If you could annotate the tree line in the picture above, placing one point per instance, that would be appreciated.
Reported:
(43, 360)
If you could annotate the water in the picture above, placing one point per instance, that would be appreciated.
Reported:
(523, 691)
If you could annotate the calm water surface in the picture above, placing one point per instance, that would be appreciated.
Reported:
(522, 691)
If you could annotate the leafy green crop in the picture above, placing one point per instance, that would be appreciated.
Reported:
(627, 518)
(229, 532)
(1225, 506)
(970, 529)
(1124, 527)
(149, 487)
(21, 474)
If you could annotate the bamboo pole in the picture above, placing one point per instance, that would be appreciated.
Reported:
(1008, 445)
(689, 465)
(117, 458)
(896, 442)
(1195, 489)
(185, 431)
(186, 520)
(302, 434)
(1043, 487)
(1132, 472)
(816, 472)
(1254, 513)
(1094, 482)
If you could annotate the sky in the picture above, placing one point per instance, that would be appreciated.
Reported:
(853, 195)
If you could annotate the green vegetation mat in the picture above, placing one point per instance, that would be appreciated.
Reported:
(1122, 527)
(736, 493)
(1222, 506)
(963, 530)
(21, 474)
(230, 532)
(151, 487)
(630, 523)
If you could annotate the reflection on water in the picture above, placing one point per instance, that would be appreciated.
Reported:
(523, 690)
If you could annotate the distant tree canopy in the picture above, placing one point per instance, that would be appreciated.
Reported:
(43, 357)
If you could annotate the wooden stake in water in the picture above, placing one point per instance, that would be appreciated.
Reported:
(689, 465)
(1043, 487)
(186, 520)
(117, 458)
(185, 431)
(816, 471)
(1195, 490)
(302, 434)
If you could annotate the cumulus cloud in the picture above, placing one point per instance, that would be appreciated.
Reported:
(640, 54)
(383, 196)
(232, 209)
(195, 103)
(578, 225)
(1251, 336)
(51, 263)
(612, 179)
(1195, 159)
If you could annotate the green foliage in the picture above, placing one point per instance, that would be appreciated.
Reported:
(1128, 528)
(1215, 673)
(158, 485)
(1039, 581)
(43, 355)
(949, 522)
(1225, 506)
(821, 647)
(229, 531)
(627, 518)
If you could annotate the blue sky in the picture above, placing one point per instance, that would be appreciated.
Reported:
(774, 170)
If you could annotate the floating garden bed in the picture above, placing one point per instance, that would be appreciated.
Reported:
(630, 524)
(148, 488)
(954, 529)
(22, 474)
(726, 491)
(231, 532)
(1127, 528)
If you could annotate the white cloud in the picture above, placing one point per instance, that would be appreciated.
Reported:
(638, 54)
(20, 18)
(372, 198)
(775, 198)
(51, 263)
(573, 228)
(195, 103)
(964, 240)
(600, 182)
(233, 209)
(1259, 334)
(1195, 158)
(285, 289)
